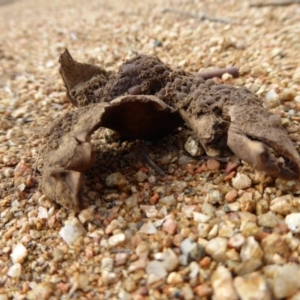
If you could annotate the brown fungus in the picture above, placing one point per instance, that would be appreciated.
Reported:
(233, 115)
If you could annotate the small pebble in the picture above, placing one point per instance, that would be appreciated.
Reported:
(41, 291)
(226, 230)
(197, 253)
(271, 100)
(169, 260)
(115, 180)
(203, 229)
(8, 172)
(78, 282)
(296, 76)
(150, 210)
(86, 214)
(188, 210)
(282, 205)
(251, 250)
(216, 248)
(19, 254)
(286, 281)
(194, 269)
(116, 239)
(244, 69)
(124, 295)
(148, 228)
(250, 229)
(168, 200)
(121, 259)
(129, 285)
(268, 219)
(184, 160)
(14, 271)
(174, 278)
(205, 262)
(231, 196)
(287, 95)
(170, 226)
(203, 290)
(22, 169)
(131, 201)
(275, 245)
(293, 222)
(34, 234)
(222, 284)
(277, 52)
(214, 197)
(213, 232)
(154, 199)
(114, 224)
(213, 164)
(140, 176)
(236, 241)
(72, 230)
(227, 77)
(230, 168)
(187, 292)
(42, 212)
(241, 181)
(234, 206)
(142, 250)
(183, 259)
(200, 218)
(152, 179)
(107, 264)
(156, 268)
(187, 245)
(108, 277)
(208, 209)
(192, 147)
(255, 286)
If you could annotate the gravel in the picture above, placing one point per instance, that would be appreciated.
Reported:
(201, 228)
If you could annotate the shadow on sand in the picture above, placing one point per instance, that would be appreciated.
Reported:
(6, 2)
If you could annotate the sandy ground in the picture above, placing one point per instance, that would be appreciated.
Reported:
(193, 233)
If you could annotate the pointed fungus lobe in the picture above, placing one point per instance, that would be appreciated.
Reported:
(145, 99)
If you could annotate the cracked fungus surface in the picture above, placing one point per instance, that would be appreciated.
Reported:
(157, 222)
(218, 114)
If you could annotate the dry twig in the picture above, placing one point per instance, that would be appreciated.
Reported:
(151, 163)
(234, 71)
(200, 17)
(220, 159)
(274, 3)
